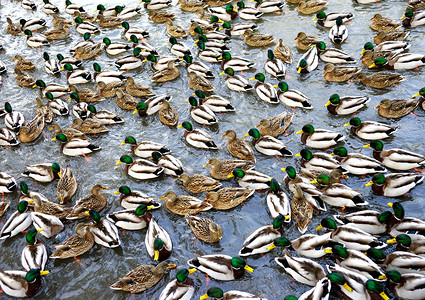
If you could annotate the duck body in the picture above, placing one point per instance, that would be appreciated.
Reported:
(184, 204)
(397, 184)
(366, 220)
(143, 169)
(153, 233)
(321, 139)
(309, 61)
(370, 130)
(217, 266)
(13, 283)
(105, 233)
(227, 198)
(259, 241)
(359, 164)
(8, 138)
(129, 220)
(399, 159)
(338, 33)
(16, 223)
(348, 105)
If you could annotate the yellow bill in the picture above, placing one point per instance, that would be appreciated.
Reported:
(328, 103)
(319, 227)
(271, 247)
(347, 287)
(299, 132)
(299, 70)
(392, 241)
(156, 256)
(369, 183)
(248, 268)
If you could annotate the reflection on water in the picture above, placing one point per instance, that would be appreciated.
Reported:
(101, 266)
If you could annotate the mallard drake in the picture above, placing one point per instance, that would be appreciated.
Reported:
(204, 229)
(369, 221)
(49, 224)
(34, 255)
(77, 76)
(227, 13)
(301, 210)
(130, 62)
(309, 61)
(329, 19)
(350, 236)
(130, 199)
(319, 138)
(227, 198)
(339, 32)
(393, 35)
(24, 79)
(172, 166)
(399, 224)
(44, 206)
(207, 54)
(131, 219)
(394, 185)
(248, 13)
(108, 77)
(167, 74)
(403, 61)
(161, 63)
(356, 261)
(197, 67)
(126, 101)
(43, 172)
(56, 90)
(183, 204)
(69, 133)
(144, 149)
(309, 245)
(143, 277)
(13, 120)
(49, 8)
(396, 108)
(392, 46)
(21, 284)
(311, 6)
(83, 27)
(292, 98)
(106, 11)
(380, 23)
(238, 147)
(259, 241)
(105, 232)
(268, 6)
(320, 290)
(265, 91)
(217, 293)
(397, 159)
(57, 105)
(23, 64)
(31, 130)
(67, 186)
(346, 105)
(356, 163)
(202, 114)
(221, 267)
(380, 80)
(197, 137)
(115, 48)
(211, 44)
(158, 242)
(198, 183)
(370, 130)
(405, 243)
(68, 60)
(273, 66)
(214, 102)
(237, 29)
(32, 24)
(180, 288)
(413, 19)
(333, 55)
(251, 179)
(70, 7)
(105, 117)
(402, 261)
(283, 52)
(278, 202)
(127, 12)
(178, 48)
(44, 110)
(304, 42)
(275, 125)
(86, 44)
(267, 144)
(422, 99)
(160, 16)
(236, 82)
(257, 39)
(8, 138)
(406, 286)
(236, 63)
(19, 221)
(94, 201)
(56, 33)
(12, 28)
(221, 169)
(140, 169)
(303, 270)
(340, 73)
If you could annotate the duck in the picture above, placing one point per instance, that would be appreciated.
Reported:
(309, 245)
(77, 76)
(214, 102)
(268, 6)
(83, 27)
(297, 267)
(248, 13)
(407, 286)
(283, 52)
(309, 61)
(202, 114)
(171, 165)
(356, 261)
(237, 29)
(179, 49)
(236, 82)
(107, 21)
(137, 89)
(175, 30)
(274, 67)
(311, 6)
(49, 8)
(275, 125)
(392, 46)
(75, 245)
(13, 120)
(167, 74)
(60, 31)
(105, 117)
(227, 198)
(8, 138)
(257, 39)
(350, 236)
(397, 159)
(105, 232)
(319, 138)
(130, 199)
(422, 99)
(57, 19)
(144, 149)
(131, 219)
(320, 291)
(197, 137)
(404, 262)
(402, 61)
(21, 284)
(32, 24)
(396, 108)
(405, 243)
(183, 204)
(204, 229)
(144, 276)
(67, 186)
(236, 63)
(340, 73)
(251, 179)
(265, 91)
(292, 98)
(370, 221)
(216, 45)
(217, 293)
(46, 172)
(333, 55)
(197, 67)
(70, 7)
(160, 16)
(19, 221)
(329, 19)
(89, 126)
(115, 48)
(221, 169)
(399, 224)
(380, 23)
(161, 63)
(94, 201)
(369, 56)
(229, 268)
(127, 12)
(304, 42)
(47, 207)
(393, 35)
(31, 130)
(357, 163)
(87, 52)
(57, 105)
(34, 255)
(180, 288)
(44, 110)
(12, 28)
(226, 14)
(301, 210)
(128, 102)
(198, 183)
(86, 44)
(394, 185)
(23, 64)
(238, 147)
(197, 82)
(158, 242)
(277, 201)
(191, 6)
(339, 32)
(267, 145)
(346, 105)
(259, 241)
(56, 90)
(75, 63)
(69, 133)
(413, 19)
(380, 80)
(130, 62)
(370, 130)
(141, 169)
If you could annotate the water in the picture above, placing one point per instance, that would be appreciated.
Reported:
(102, 266)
